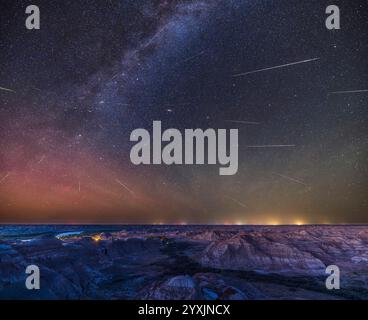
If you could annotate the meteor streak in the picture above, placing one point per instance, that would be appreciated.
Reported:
(193, 57)
(272, 146)
(348, 91)
(124, 186)
(6, 89)
(242, 122)
(275, 67)
(290, 179)
(3, 178)
(42, 158)
(237, 202)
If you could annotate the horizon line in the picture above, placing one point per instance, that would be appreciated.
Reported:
(180, 224)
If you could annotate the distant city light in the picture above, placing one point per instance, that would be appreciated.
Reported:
(96, 237)
(273, 222)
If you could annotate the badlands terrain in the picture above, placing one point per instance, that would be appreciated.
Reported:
(184, 262)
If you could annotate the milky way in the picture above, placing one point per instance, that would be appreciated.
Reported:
(72, 92)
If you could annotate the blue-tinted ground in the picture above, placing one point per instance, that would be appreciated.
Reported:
(183, 262)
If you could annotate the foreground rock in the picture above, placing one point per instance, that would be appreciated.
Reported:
(184, 287)
(254, 252)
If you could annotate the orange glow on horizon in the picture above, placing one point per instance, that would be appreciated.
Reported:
(96, 237)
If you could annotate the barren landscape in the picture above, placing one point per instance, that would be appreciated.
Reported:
(184, 262)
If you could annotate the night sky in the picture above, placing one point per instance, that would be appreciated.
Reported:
(73, 91)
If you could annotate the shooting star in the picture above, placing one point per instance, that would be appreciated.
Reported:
(193, 57)
(42, 158)
(125, 186)
(154, 37)
(242, 122)
(178, 104)
(275, 67)
(272, 146)
(6, 89)
(290, 179)
(348, 91)
(79, 186)
(37, 89)
(3, 178)
(238, 202)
